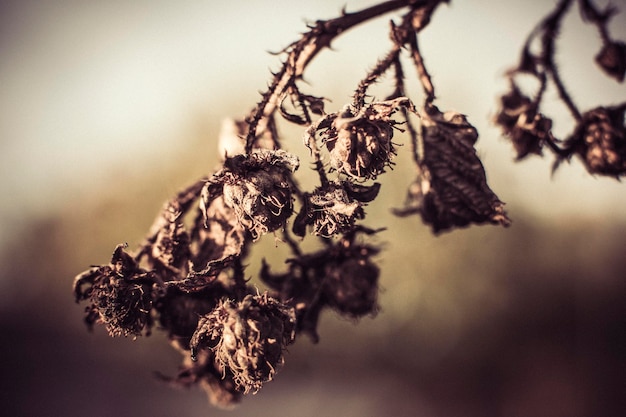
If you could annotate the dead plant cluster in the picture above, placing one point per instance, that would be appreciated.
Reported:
(188, 278)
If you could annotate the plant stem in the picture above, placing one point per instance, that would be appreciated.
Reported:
(303, 51)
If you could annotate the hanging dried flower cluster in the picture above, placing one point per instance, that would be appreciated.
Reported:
(189, 277)
(598, 137)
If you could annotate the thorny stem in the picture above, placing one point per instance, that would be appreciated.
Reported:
(239, 277)
(424, 76)
(293, 245)
(380, 68)
(420, 20)
(303, 51)
(317, 160)
(551, 25)
(400, 92)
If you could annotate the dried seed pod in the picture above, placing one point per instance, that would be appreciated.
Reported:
(600, 140)
(121, 295)
(612, 59)
(248, 338)
(334, 208)
(522, 123)
(257, 187)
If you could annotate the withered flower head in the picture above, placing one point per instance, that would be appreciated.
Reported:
(351, 285)
(522, 123)
(359, 142)
(600, 140)
(120, 293)
(248, 338)
(342, 276)
(257, 187)
(612, 59)
(179, 311)
(334, 208)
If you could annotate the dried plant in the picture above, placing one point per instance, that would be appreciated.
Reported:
(188, 275)
(598, 137)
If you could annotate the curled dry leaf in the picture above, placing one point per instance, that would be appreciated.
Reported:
(452, 189)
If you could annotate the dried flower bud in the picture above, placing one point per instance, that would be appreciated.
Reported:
(120, 294)
(351, 285)
(257, 187)
(612, 59)
(600, 140)
(359, 142)
(334, 208)
(341, 276)
(522, 123)
(180, 310)
(361, 148)
(248, 338)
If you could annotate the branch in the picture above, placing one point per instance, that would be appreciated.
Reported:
(301, 53)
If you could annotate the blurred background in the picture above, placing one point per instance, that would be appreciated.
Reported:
(108, 108)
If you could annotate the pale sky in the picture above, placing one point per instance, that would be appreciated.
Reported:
(86, 87)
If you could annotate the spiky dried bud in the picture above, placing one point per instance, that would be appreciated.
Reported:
(612, 59)
(121, 295)
(360, 147)
(334, 208)
(522, 123)
(257, 187)
(248, 338)
(359, 141)
(600, 140)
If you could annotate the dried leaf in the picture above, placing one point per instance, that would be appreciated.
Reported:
(453, 190)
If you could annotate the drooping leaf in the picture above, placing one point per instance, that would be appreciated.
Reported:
(452, 189)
